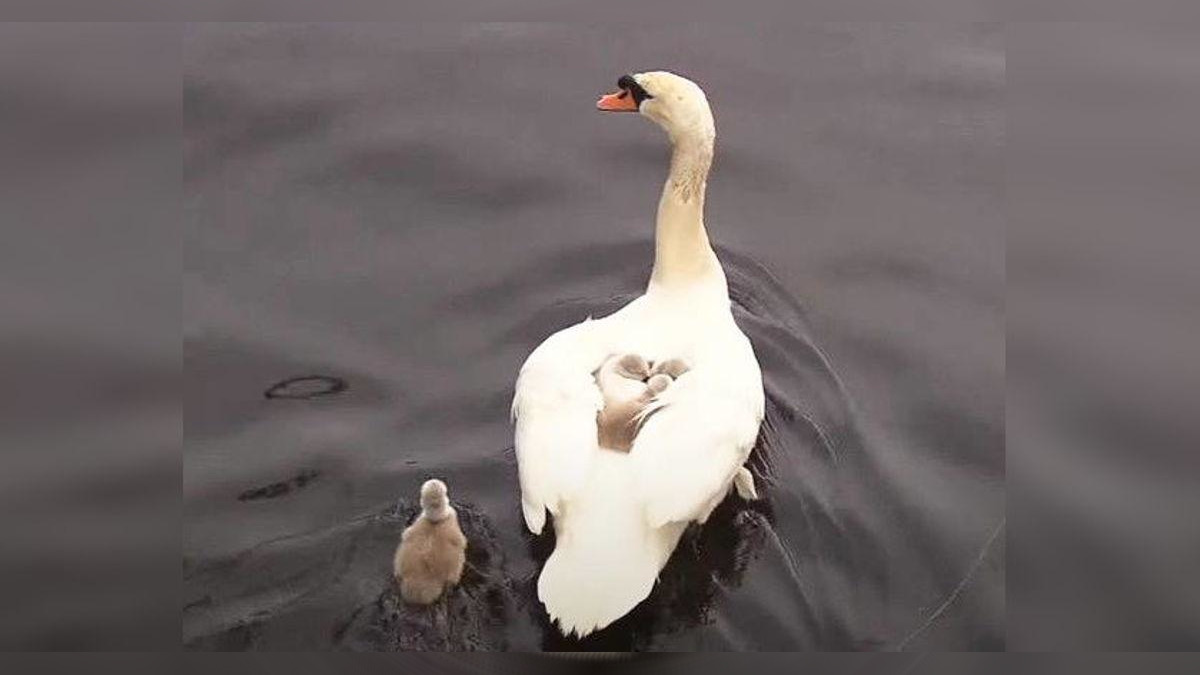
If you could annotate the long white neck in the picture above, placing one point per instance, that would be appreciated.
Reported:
(683, 254)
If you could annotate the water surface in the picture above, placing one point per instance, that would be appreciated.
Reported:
(383, 221)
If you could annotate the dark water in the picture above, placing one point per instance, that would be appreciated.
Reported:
(382, 221)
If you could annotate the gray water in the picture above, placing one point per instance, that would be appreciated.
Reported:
(400, 213)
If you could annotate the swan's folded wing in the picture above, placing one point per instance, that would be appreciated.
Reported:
(555, 408)
(691, 447)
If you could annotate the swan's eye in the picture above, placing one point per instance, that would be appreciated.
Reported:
(628, 84)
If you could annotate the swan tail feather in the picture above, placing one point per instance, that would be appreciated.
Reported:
(606, 558)
(584, 594)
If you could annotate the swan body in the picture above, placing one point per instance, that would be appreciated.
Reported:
(618, 516)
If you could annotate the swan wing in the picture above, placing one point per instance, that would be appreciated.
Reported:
(697, 436)
(554, 409)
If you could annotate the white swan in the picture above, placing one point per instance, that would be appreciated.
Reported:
(618, 516)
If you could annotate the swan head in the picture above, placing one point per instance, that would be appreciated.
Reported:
(435, 504)
(675, 103)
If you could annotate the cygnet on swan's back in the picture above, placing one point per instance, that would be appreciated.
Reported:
(628, 385)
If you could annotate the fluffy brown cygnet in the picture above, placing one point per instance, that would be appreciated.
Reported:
(672, 367)
(628, 384)
(432, 549)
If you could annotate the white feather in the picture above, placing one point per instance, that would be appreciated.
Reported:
(618, 516)
(687, 453)
(606, 559)
(555, 408)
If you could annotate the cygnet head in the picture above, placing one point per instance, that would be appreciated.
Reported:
(658, 383)
(435, 503)
(631, 366)
(675, 103)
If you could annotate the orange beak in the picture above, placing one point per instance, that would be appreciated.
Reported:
(618, 101)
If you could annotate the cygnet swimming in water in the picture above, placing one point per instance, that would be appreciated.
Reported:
(432, 550)
(629, 383)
